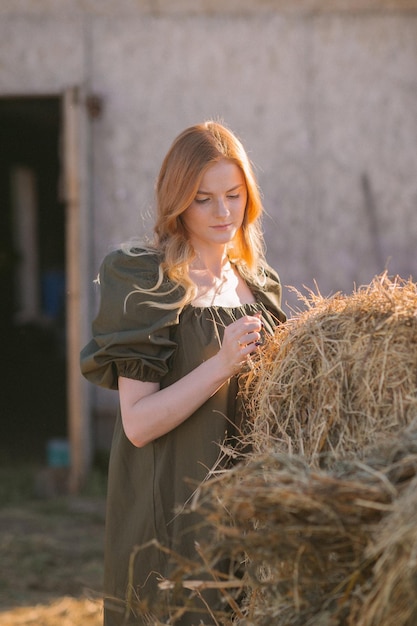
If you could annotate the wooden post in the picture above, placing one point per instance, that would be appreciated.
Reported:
(75, 169)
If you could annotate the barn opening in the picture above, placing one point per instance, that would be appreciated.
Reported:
(32, 277)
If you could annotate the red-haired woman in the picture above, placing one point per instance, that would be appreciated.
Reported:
(178, 320)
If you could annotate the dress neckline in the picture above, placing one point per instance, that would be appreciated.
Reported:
(218, 307)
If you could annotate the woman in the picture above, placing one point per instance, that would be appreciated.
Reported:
(177, 322)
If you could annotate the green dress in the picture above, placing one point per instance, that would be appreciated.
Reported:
(147, 487)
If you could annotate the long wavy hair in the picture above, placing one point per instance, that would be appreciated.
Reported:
(191, 154)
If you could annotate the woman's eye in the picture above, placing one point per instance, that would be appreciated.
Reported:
(202, 200)
(233, 196)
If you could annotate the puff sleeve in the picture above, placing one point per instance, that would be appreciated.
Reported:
(131, 337)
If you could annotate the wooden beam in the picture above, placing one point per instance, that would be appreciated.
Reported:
(74, 162)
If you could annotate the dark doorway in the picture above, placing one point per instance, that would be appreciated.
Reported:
(32, 278)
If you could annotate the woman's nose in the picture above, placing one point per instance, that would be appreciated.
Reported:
(222, 208)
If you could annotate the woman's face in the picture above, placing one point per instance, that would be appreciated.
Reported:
(217, 211)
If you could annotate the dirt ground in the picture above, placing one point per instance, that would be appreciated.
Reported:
(51, 561)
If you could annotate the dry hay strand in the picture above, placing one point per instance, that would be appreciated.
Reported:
(338, 374)
(197, 588)
(306, 533)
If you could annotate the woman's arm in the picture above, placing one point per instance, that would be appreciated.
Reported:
(149, 412)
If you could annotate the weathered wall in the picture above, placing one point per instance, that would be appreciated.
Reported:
(325, 104)
(323, 94)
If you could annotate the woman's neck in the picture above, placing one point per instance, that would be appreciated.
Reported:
(214, 264)
(218, 283)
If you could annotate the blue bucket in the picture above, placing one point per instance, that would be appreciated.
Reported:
(58, 453)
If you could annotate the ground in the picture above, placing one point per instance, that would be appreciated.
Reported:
(51, 554)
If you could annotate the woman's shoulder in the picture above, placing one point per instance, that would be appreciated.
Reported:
(130, 265)
(126, 258)
(135, 275)
(269, 291)
(271, 274)
(269, 279)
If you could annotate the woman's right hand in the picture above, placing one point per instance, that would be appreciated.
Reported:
(240, 339)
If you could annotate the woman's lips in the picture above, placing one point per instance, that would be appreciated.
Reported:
(221, 226)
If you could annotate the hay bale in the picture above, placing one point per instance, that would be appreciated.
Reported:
(339, 375)
(315, 552)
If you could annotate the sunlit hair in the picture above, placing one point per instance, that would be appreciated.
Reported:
(190, 155)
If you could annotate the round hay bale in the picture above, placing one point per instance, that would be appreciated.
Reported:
(315, 552)
(339, 375)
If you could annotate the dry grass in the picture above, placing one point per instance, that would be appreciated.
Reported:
(51, 554)
(66, 611)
